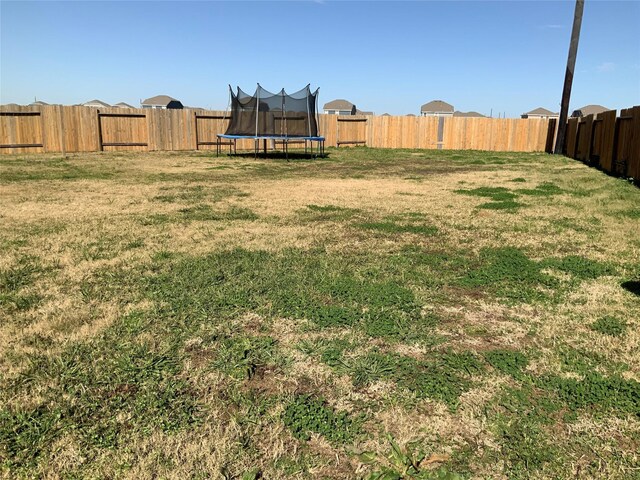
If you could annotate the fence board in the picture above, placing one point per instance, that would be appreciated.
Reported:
(605, 142)
(583, 138)
(351, 130)
(23, 128)
(627, 145)
(571, 137)
(75, 129)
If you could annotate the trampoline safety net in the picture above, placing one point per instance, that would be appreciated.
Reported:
(266, 114)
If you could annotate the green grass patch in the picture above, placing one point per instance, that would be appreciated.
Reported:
(443, 377)
(509, 205)
(507, 361)
(201, 213)
(16, 279)
(105, 391)
(542, 190)
(55, 169)
(306, 415)
(243, 356)
(579, 267)
(597, 393)
(395, 228)
(509, 273)
(327, 213)
(633, 213)
(611, 326)
(497, 194)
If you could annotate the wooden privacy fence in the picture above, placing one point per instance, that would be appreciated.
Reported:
(607, 141)
(57, 128)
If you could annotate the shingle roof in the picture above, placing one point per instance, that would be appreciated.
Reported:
(159, 100)
(437, 106)
(592, 109)
(467, 114)
(540, 111)
(123, 105)
(339, 104)
(96, 102)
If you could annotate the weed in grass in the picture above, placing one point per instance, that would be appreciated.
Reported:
(507, 361)
(611, 326)
(505, 199)
(138, 243)
(542, 190)
(383, 309)
(395, 325)
(306, 415)
(294, 466)
(520, 418)
(570, 224)
(327, 213)
(392, 227)
(519, 180)
(22, 302)
(333, 350)
(104, 391)
(371, 367)
(577, 361)
(327, 316)
(510, 273)
(14, 279)
(579, 267)
(583, 362)
(497, 194)
(465, 362)
(200, 213)
(508, 205)
(408, 463)
(242, 356)
(27, 268)
(524, 446)
(205, 213)
(102, 249)
(433, 379)
(596, 392)
(633, 213)
(53, 169)
(428, 381)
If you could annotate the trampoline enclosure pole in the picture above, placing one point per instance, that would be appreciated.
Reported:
(257, 107)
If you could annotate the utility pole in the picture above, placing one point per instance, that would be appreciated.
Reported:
(568, 77)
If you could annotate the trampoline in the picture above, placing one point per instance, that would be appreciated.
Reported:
(276, 117)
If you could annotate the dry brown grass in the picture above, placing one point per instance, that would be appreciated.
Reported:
(81, 227)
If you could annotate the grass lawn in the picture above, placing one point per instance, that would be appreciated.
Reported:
(374, 314)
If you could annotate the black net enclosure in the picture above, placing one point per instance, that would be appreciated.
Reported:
(266, 114)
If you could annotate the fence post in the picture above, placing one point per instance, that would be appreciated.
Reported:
(100, 147)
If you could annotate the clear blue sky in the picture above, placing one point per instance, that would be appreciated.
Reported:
(509, 56)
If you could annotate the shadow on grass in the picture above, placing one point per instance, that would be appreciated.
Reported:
(632, 286)
(291, 156)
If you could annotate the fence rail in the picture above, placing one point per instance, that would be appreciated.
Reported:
(607, 141)
(57, 128)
